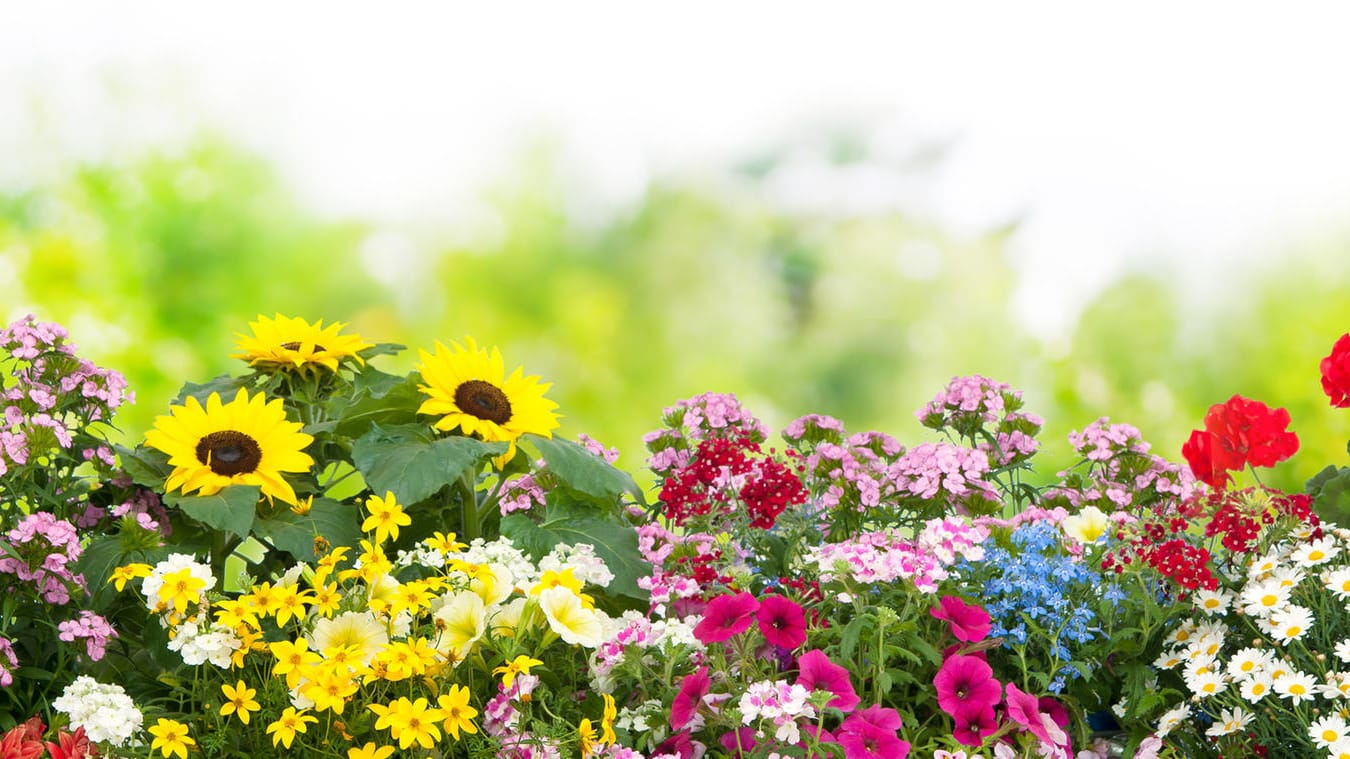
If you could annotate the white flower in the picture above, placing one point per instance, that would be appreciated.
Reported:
(1288, 577)
(1087, 526)
(1296, 686)
(1167, 660)
(1336, 686)
(1338, 582)
(1182, 634)
(106, 712)
(177, 561)
(1328, 730)
(581, 558)
(1291, 623)
(1171, 719)
(1206, 684)
(1340, 749)
(1263, 565)
(1213, 602)
(1256, 688)
(1315, 552)
(1262, 597)
(1248, 662)
(1229, 721)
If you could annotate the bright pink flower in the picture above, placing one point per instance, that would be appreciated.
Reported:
(692, 690)
(966, 686)
(1025, 710)
(738, 742)
(817, 672)
(726, 616)
(973, 729)
(782, 621)
(969, 622)
(680, 745)
(872, 733)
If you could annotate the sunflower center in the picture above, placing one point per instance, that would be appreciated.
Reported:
(483, 400)
(294, 345)
(228, 452)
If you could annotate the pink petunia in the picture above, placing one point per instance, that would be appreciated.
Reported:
(966, 686)
(872, 733)
(692, 690)
(1025, 710)
(972, 730)
(739, 742)
(817, 672)
(969, 622)
(726, 616)
(782, 621)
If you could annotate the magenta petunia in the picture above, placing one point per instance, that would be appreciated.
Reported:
(817, 672)
(872, 733)
(782, 621)
(739, 742)
(966, 686)
(972, 730)
(1025, 710)
(692, 690)
(969, 622)
(726, 616)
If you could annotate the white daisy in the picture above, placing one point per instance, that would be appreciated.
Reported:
(1182, 634)
(1248, 662)
(1207, 684)
(1315, 552)
(1296, 686)
(1327, 730)
(1213, 602)
(1263, 565)
(1171, 719)
(1229, 721)
(1288, 577)
(1338, 582)
(1255, 688)
(1337, 685)
(1343, 650)
(1291, 623)
(1167, 660)
(1262, 597)
(1339, 750)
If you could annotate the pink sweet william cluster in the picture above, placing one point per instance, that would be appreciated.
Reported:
(886, 556)
(976, 406)
(40, 549)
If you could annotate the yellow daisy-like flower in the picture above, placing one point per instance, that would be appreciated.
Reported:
(288, 725)
(247, 441)
(607, 735)
(180, 589)
(171, 737)
(518, 666)
(469, 387)
(294, 344)
(409, 722)
(127, 572)
(386, 516)
(457, 712)
(589, 743)
(241, 702)
(370, 751)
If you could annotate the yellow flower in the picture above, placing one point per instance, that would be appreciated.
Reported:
(370, 751)
(440, 541)
(518, 666)
(554, 579)
(360, 630)
(294, 344)
(180, 589)
(607, 721)
(292, 657)
(469, 386)
(462, 622)
(303, 505)
(569, 617)
(171, 737)
(327, 599)
(1087, 526)
(386, 516)
(235, 613)
(458, 714)
(288, 724)
(330, 690)
(240, 702)
(409, 722)
(123, 574)
(247, 441)
(588, 742)
(290, 602)
(411, 596)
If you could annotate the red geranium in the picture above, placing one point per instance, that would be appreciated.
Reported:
(1239, 432)
(1336, 373)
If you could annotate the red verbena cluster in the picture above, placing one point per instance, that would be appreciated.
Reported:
(1240, 516)
(1336, 373)
(721, 474)
(1238, 432)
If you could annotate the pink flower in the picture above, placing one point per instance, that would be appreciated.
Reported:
(738, 742)
(973, 729)
(692, 690)
(726, 616)
(1025, 710)
(817, 672)
(782, 621)
(966, 686)
(872, 733)
(968, 621)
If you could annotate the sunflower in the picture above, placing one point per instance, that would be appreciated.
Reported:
(470, 387)
(247, 441)
(294, 344)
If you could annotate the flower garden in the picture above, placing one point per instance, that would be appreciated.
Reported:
(313, 557)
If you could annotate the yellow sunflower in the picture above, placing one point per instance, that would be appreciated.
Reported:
(247, 441)
(294, 344)
(470, 387)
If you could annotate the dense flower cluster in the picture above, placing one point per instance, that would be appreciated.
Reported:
(975, 407)
(887, 555)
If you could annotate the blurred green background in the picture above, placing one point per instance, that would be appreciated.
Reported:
(155, 263)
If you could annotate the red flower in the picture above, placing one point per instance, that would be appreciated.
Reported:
(692, 690)
(817, 672)
(74, 745)
(1336, 373)
(966, 687)
(24, 741)
(1239, 432)
(725, 617)
(969, 622)
(782, 621)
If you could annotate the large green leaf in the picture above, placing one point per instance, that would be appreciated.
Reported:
(232, 509)
(412, 468)
(147, 466)
(1330, 489)
(338, 523)
(380, 399)
(582, 470)
(615, 541)
(227, 386)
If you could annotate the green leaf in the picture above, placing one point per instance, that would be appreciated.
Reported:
(147, 466)
(848, 642)
(232, 509)
(347, 482)
(614, 541)
(379, 399)
(582, 470)
(339, 523)
(225, 385)
(1331, 493)
(415, 469)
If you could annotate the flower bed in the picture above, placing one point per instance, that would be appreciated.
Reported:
(317, 558)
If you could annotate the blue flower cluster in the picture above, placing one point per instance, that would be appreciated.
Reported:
(1037, 581)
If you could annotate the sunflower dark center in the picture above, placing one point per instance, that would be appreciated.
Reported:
(483, 400)
(295, 346)
(228, 452)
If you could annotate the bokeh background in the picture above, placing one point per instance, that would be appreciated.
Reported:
(828, 209)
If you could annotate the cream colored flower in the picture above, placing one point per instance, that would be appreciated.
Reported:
(569, 617)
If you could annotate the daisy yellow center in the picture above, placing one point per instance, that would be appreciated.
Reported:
(228, 452)
(483, 400)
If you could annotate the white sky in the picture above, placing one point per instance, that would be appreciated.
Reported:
(1191, 133)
